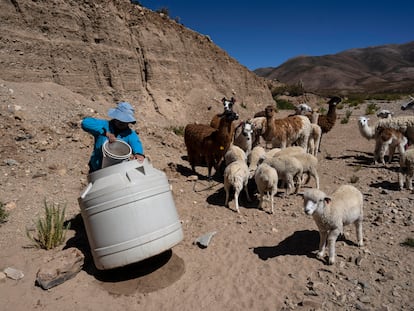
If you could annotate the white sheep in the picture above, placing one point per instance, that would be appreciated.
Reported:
(332, 213)
(266, 179)
(384, 114)
(309, 164)
(234, 153)
(292, 150)
(386, 139)
(259, 127)
(289, 170)
(406, 172)
(236, 175)
(257, 153)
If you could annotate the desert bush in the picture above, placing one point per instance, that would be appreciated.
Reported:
(371, 108)
(354, 179)
(50, 230)
(345, 119)
(178, 130)
(408, 242)
(3, 213)
(283, 104)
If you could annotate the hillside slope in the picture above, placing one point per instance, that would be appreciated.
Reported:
(110, 50)
(372, 69)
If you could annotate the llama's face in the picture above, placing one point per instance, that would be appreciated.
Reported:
(303, 108)
(247, 130)
(384, 114)
(363, 121)
(228, 104)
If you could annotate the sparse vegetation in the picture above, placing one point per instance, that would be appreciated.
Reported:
(178, 130)
(163, 10)
(371, 108)
(291, 90)
(345, 119)
(408, 242)
(3, 213)
(283, 104)
(354, 179)
(50, 230)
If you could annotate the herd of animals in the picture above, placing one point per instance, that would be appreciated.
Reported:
(275, 152)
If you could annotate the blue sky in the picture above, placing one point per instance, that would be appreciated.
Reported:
(268, 33)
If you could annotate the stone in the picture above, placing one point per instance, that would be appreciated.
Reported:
(204, 240)
(60, 268)
(13, 273)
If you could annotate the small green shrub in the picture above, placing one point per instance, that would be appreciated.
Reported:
(408, 242)
(371, 108)
(3, 213)
(178, 130)
(51, 230)
(354, 179)
(345, 119)
(283, 104)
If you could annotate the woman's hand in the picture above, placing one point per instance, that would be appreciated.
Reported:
(138, 157)
(111, 137)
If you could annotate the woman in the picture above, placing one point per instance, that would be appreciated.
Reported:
(116, 128)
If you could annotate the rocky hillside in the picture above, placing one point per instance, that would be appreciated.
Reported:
(387, 68)
(108, 50)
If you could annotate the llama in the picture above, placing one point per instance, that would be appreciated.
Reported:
(285, 132)
(208, 144)
(386, 139)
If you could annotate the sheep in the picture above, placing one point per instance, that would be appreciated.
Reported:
(332, 213)
(403, 124)
(406, 172)
(227, 106)
(243, 136)
(266, 179)
(257, 153)
(236, 175)
(290, 151)
(314, 139)
(234, 153)
(287, 131)
(303, 109)
(327, 122)
(206, 143)
(309, 164)
(289, 170)
(385, 139)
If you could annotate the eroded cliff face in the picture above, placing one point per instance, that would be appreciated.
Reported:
(114, 50)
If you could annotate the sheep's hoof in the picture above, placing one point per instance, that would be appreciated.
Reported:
(320, 255)
(331, 261)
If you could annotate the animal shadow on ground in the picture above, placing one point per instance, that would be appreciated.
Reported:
(385, 184)
(360, 158)
(187, 171)
(128, 272)
(300, 243)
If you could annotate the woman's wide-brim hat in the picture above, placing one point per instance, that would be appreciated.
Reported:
(123, 112)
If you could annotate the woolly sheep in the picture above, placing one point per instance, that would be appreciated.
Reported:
(259, 127)
(309, 165)
(314, 139)
(332, 213)
(406, 172)
(257, 153)
(236, 176)
(287, 131)
(205, 143)
(289, 170)
(292, 150)
(266, 179)
(234, 153)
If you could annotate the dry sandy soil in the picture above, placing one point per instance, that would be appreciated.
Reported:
(256, 261)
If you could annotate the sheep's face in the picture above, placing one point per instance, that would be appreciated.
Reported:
(384, 114)
(303, 109)
(314, 199)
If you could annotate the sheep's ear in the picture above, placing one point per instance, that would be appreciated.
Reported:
(327, 200)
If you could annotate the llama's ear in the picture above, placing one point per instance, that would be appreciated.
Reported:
(223, 100)
(233, 100)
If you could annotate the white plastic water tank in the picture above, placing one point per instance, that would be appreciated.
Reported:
(129, 214)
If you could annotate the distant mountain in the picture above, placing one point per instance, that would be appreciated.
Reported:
(387, 68)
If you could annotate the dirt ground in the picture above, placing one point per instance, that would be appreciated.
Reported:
(255, 261)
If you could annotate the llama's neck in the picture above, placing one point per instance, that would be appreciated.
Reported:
(367, 131)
